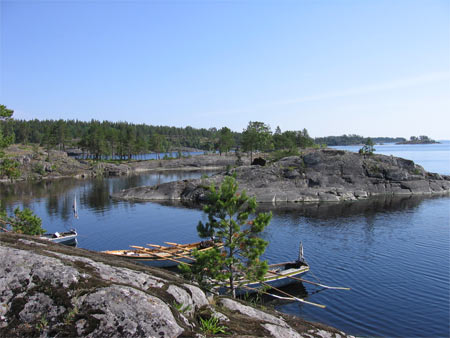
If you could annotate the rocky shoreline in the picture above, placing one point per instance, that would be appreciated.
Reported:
(50, 290)
(322, 175)
(57, 164)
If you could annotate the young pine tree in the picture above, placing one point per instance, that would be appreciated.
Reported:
(23, 222)
(228, 222)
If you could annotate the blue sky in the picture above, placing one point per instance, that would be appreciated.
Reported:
(374, 68)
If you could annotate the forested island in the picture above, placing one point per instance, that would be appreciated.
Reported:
(350, 140)
(36, 149)
(418, 140)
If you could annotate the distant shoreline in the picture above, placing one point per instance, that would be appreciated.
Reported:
(419, 142)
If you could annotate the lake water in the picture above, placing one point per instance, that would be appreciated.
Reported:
(433, 157)
(393, 253)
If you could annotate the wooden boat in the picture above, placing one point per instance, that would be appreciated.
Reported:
(163, 256)
(68, 237)
(278, 275)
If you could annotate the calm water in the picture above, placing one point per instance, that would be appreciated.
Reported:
(433, 157)
(393, 253)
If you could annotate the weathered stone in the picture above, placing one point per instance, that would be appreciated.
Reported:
(251, 312)
(118, 275)
(183, 298)
(198, 296)
(220, 316)
(281, 332)
(40, 306)
(31, 242)
(58, 164)
(53, 290)
(131, 313)
(325, 175)
(419, 187)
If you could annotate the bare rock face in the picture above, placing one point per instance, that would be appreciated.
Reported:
(39, 164)
(325, 175)
(49, 290)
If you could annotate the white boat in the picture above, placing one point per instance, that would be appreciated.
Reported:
(68, 237)
(278, 275)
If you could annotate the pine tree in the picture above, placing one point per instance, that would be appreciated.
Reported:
(228, 222)
(8, 167)
(5, 115)
(225, 140)
(257, 136)
(368, 147)
(23, 222)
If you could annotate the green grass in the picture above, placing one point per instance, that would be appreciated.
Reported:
(211, 326)
(180, 307)
(42, 323)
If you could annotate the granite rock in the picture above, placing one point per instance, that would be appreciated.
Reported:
(323, 175)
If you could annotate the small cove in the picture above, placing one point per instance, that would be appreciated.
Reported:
(392, 252)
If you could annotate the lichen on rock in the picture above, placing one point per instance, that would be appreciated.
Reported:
(53, 290)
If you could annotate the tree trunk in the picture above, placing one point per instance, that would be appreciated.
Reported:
(233, 290)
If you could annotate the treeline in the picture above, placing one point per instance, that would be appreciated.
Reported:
(107, 139)
(103, 140)
(352, 139)
(423, 139)
(122, 140)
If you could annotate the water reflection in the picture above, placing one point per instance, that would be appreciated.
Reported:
(386, 248)
(97, 196)
(26, 192)
(328, 211)
(94, 193)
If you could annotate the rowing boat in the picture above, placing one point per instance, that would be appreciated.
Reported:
(278, 275)
(163, 256)
(68, 237)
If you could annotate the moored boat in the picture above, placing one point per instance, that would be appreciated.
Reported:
(163, 256)
(67, 237)
(278, 275)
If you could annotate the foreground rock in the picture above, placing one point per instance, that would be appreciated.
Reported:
(318, 175)
(49, 290)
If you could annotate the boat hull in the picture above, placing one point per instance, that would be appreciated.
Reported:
(274, 280)
(67, 238)
(162, 258)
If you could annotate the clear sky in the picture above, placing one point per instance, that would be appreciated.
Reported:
(374, 68)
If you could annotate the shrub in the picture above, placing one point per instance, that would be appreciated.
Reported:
(279, 154)
(9, 168)
(38, 168)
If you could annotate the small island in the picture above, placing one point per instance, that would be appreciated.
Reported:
(316, 175)
(419, 140)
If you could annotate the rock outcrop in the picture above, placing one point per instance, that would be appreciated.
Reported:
(318, 175)
(38, 164)
(49, 290)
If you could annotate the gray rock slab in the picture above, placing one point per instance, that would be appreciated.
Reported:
(233, 305)
(128, 312)
(281, 331)
(118, 275)
(324, 175)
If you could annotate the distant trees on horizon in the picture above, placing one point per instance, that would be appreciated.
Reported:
(104, 140)
(353, 139)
